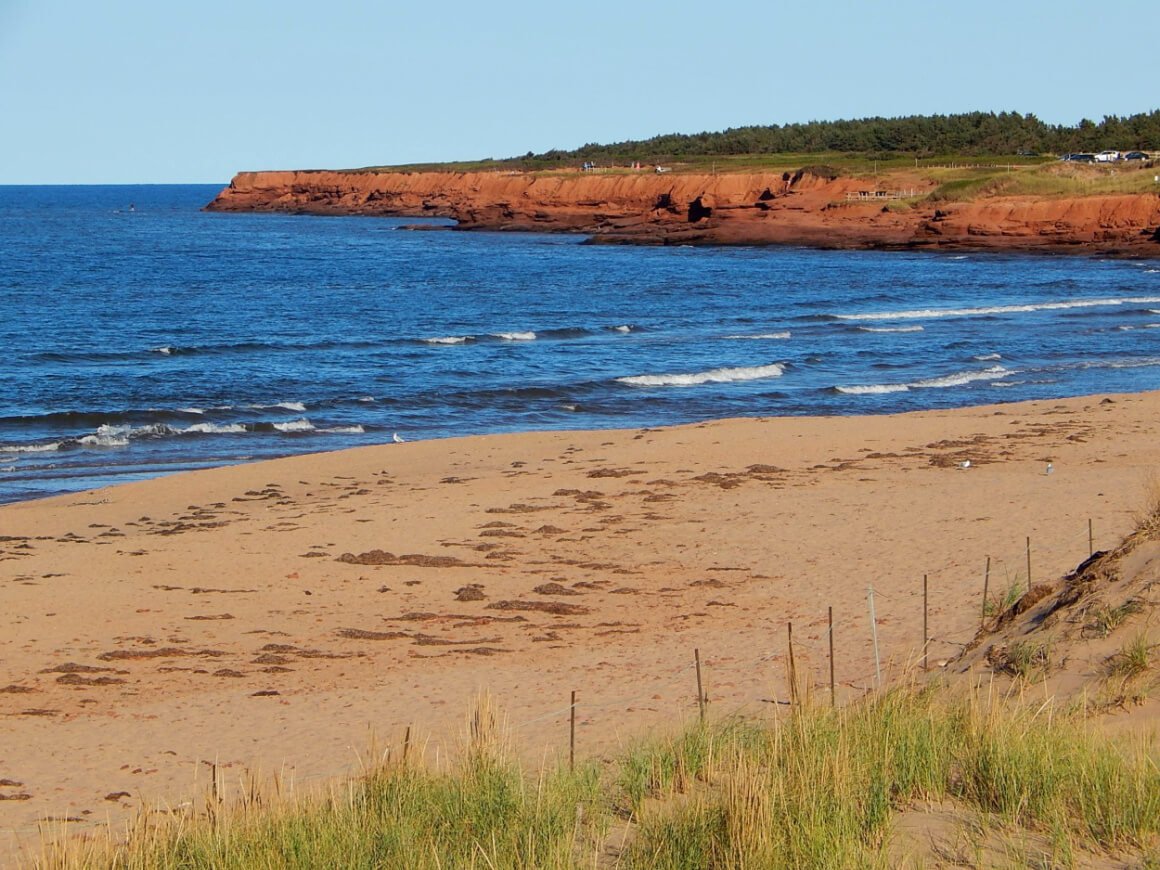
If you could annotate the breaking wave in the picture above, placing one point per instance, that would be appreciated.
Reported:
(714, 376)
(765, 336)
(957, 379)
(515, 336)
(935, 313)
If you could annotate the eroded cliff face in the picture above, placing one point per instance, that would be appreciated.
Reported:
(733, 208)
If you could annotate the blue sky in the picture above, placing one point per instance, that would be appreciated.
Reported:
(144, 91)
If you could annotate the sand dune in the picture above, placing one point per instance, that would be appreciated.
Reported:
(280, 616)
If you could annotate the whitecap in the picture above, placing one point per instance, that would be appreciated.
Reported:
(764, 336)
(1138, 363)
(873, 389)
(934, 313)
(960, 378)
(987, 357)
(30, 448)
(515, 336)
(215, 428)
(714, 376)
(165, 349)
(447, 339)
(624, 328)
(285, 406)
(300, 425)
(344, 430)
(366, 398)
(890, 328)
(107, 436)
(957, 379)
(191, 410)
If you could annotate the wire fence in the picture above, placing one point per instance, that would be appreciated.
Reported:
(867, 677)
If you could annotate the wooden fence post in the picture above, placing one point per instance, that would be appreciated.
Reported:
(1029, 564)
(700, 690)
(572, 735)
(833, 693)
(792, 668)
(925, 632)
(986, 584)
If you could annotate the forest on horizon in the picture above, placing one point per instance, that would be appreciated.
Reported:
(968, 134)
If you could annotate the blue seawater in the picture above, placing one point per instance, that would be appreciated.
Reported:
(142, 335)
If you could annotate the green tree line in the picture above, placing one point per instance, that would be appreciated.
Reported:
(971, 134)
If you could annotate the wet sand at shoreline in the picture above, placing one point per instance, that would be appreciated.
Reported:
(285, 615)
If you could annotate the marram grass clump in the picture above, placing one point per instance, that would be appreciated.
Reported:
(815, 787)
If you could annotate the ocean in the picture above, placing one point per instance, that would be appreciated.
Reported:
(142, 336)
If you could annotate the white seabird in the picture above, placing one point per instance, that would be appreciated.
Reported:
(397, 438)
(966, 463)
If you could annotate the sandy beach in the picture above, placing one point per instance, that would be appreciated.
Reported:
(285, 616)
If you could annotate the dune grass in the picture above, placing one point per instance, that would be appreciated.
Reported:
(815, 787)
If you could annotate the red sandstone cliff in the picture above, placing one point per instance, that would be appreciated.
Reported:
(733, 208)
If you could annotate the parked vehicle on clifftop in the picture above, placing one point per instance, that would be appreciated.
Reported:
(1136, 155)
(1107, 156)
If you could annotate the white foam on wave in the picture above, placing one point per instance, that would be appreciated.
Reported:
(1154, 310)
(935, 313)
(873, 389)
(890, 329)
(714, 376)
(165, 349)
(1139, 363)
(764, 336)
(299, 425)
(285, 406)
(191, 410)
(960, 378)
(108, 436)
(29, 448)
(448, 339)
(624, 328)
(957, 379)
(215, 428)
(366, 398)
(987, 357)
(344, 430)
(521, 336)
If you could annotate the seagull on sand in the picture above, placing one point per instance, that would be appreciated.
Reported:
(966, 463)
(397, 438)
(1050, 468)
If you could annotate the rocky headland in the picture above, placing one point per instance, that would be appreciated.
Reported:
(760, 208)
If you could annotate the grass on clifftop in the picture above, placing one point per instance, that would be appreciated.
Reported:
(816, 788)
(850, 163)
(1051, 180)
